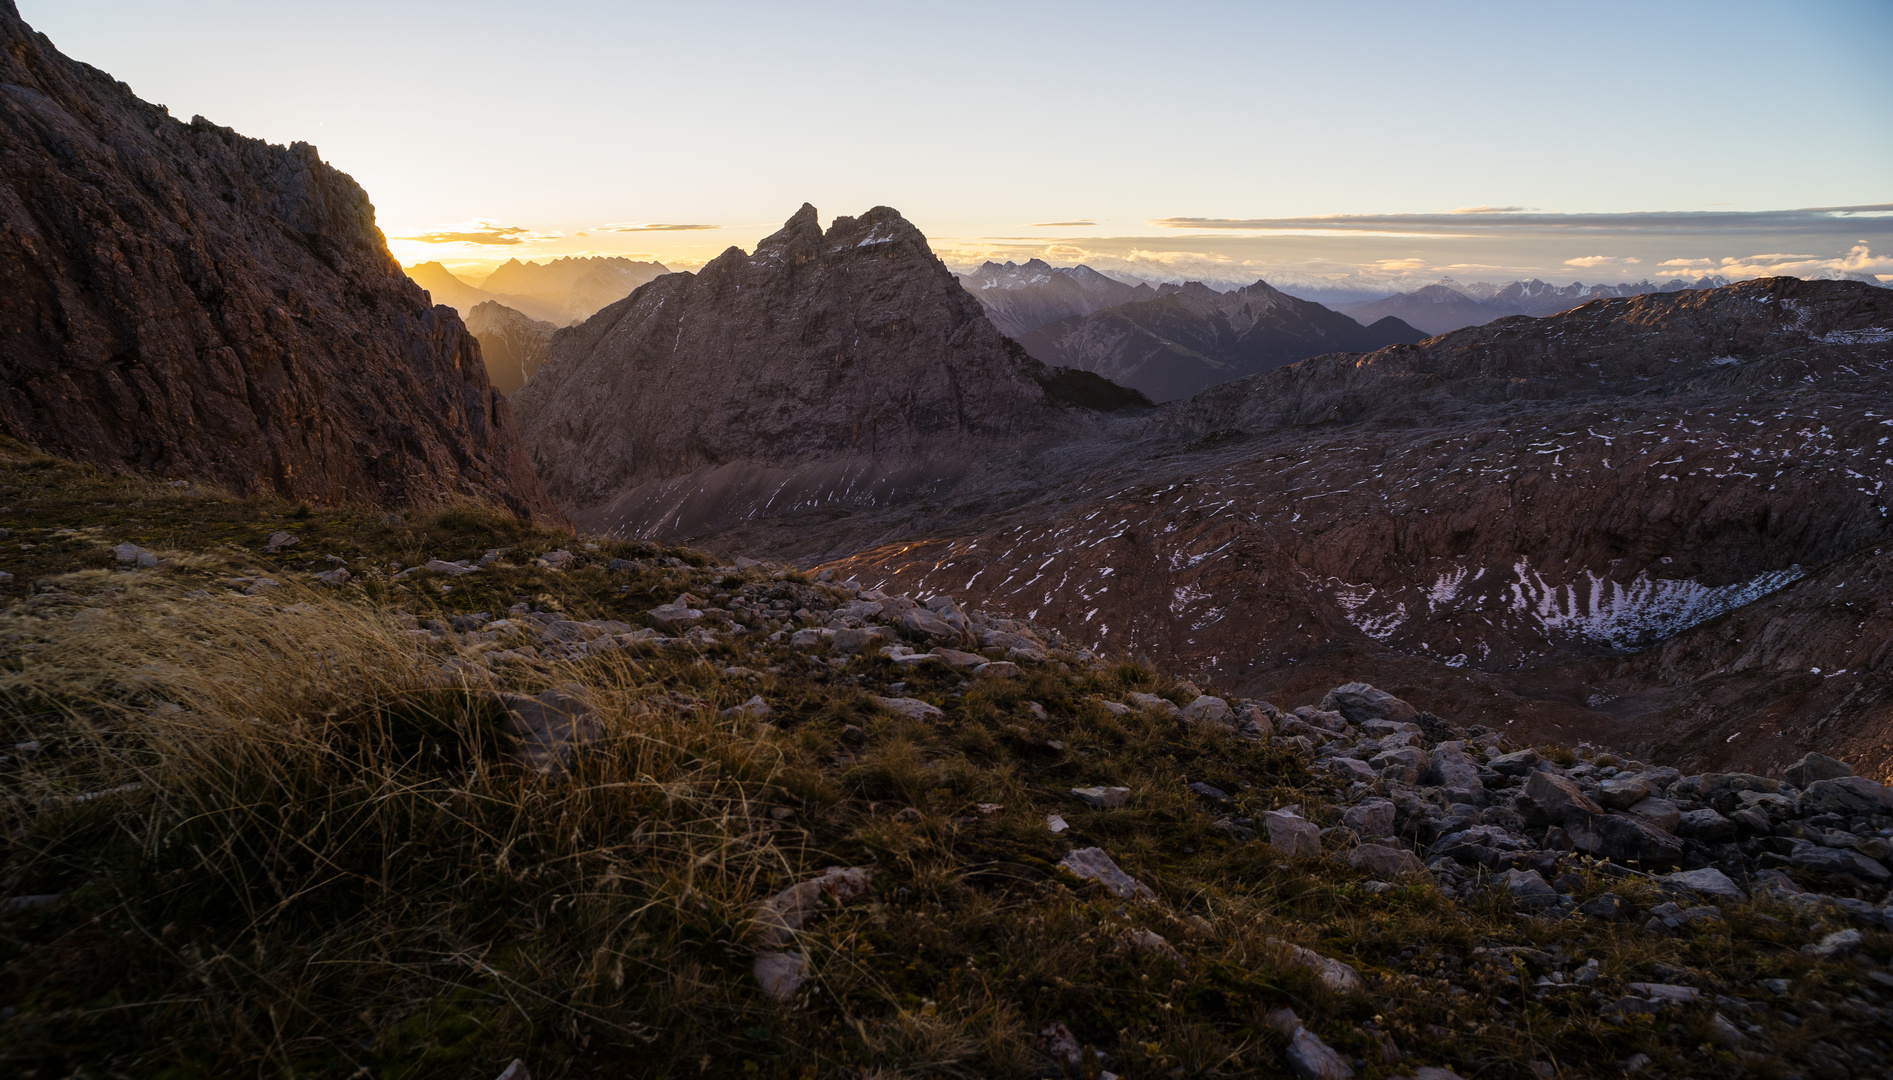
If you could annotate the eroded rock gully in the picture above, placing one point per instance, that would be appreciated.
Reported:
(179, 300)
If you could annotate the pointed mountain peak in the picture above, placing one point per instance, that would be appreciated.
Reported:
(802, 233)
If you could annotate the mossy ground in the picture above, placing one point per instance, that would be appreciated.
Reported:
(312, 857)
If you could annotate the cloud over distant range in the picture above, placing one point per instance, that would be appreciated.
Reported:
(1061, 225)
(642, 227)
(479, 232)
(1472, 243)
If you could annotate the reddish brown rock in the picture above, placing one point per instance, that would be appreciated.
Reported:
(178, 300)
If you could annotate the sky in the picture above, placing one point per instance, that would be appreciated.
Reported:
(1376, 142)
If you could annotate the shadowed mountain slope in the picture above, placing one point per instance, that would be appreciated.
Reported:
(1513, 511)
(179, 300)
(837, 369)
(513, 344)
(1193, 338)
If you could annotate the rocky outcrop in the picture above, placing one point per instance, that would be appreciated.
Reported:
(844, 368)
(179, 300)
(513, 344)
(1194, 337)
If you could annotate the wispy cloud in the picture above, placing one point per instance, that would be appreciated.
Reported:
(1592, 261)
(652, 227)
(1514, 220)
(480, 232)
(1060, 224)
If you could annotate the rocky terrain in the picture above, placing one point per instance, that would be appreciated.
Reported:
(1194, 337)
(181, 301)
(512, 344)
(457, 795)
(1021, 298)
(1504, 513)
(1439, 308)
(827, 370)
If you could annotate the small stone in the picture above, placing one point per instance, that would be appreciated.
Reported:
(1528, 887)
(1092, 864)
(1667, 993)
(1839, 943)
(280, 540)
(1387, 862)
(1370, 818)
(1056, 824)
(907, 815)
(1636, 1063)
(550, 729)
(1609, 907)
(1311, 1059)
(1846, 795)
(680, 615)
(1623, 792)
(911, 708)
(997, 669)
(1708, 882)
(1331, 973)
(780, 916)
(1660, 813)
(1360, 703)
(556, 560)
(952, 657)
(1209, 791)
(1209, 711)
(1814, 767)
(336, 577)
(1291, 834)
(781, 974)
(1725, 1033)
(515, 1071)
(1514, 764)
(1152, 942)
(1102, 798)
(1151, 703)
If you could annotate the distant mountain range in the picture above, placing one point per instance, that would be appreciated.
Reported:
(1448, 305)
(1192, 337)
(561, 292)
(1021, 298)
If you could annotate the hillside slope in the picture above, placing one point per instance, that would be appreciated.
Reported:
(182, 301)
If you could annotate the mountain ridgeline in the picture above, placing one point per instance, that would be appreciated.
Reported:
(1192, 338)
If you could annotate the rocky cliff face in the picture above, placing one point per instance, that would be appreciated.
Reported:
(844, 369)
(513, 344)
(179, 300)
(1519, 510)
(1195, 337)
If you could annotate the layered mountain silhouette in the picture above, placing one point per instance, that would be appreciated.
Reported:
(1448, 306)
(177, 299)
(839, 369)
(513, 344)
(561, 291)
(1194, 337)
(1021, 298)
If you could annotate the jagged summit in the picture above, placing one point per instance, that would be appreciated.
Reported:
(829, 366)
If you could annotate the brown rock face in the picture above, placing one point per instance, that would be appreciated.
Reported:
(840, 370)
(514, 344)
(1505, 519)
(177, 299)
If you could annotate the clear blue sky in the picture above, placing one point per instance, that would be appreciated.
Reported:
(982, 121)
